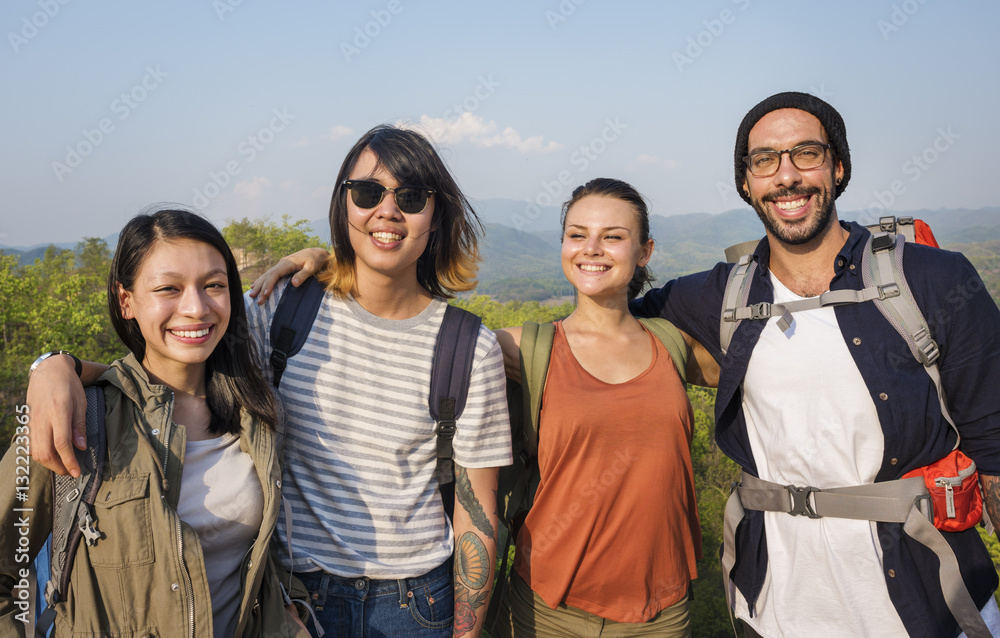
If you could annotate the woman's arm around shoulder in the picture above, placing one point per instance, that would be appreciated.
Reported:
(702, 368)
(510, 343)
(302, 265)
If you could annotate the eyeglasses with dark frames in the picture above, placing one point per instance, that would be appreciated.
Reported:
(804, 157)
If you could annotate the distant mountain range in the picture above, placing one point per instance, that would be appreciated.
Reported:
(521, 247)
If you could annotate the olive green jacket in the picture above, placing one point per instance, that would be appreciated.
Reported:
(146, 575)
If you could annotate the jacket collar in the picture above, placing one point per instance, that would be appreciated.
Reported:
(128, 375)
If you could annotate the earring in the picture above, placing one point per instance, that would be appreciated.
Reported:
(839, 180)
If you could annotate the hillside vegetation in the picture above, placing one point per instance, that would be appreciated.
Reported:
(59, 301)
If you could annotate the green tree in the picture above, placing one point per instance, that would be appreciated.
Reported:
(59, 302)
(241, 236)
(259, 243)
(498, 315)
(92, 257)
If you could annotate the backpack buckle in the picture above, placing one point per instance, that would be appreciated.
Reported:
(446, 429)
(882, 242)
(887, 224)
(760, 310)
(278, 359)
(800, 501)
(887, 291)
(927, 346)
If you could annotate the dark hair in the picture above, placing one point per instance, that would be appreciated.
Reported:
(233, 379)
(624, 191)
(450, 261)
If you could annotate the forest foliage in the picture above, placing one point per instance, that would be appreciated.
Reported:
(60, 302)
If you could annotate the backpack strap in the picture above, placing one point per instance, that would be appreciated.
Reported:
(536, 348)
(893, 225)
(902, 501)
(882, 266)
(671, 338)
(454, 354)
(735, 298)
(292, 321)
(73, 507)
(518, 482)
(734, 252)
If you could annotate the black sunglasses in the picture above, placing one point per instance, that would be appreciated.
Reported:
(409, 199)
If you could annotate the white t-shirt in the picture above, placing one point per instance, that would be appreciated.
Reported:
(812, 422)
(222, 499)
(360, 452)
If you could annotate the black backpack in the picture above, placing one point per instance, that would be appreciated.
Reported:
(73, 509)
(454, 352)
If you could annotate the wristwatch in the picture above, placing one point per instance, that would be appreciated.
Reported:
(76, 362)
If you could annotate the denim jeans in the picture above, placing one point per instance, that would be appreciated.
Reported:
(420, 607)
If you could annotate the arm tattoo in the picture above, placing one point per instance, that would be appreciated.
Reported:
(472, 561)
(465, 496)
(991, 492)
(473, 571)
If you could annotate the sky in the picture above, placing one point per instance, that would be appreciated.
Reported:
(246, 108)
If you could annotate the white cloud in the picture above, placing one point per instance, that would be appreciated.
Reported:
(289, 184)
(480, 132)
(339, 132)
(650, 160)
(302, 141)
(253, 188)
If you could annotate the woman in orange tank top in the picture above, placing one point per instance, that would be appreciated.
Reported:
(610, 544)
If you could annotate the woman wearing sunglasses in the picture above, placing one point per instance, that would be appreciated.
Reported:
(370, 539)
(610, 545)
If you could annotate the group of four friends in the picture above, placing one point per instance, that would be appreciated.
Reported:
(195, 539)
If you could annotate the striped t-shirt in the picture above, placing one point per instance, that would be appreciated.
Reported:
(360, 451)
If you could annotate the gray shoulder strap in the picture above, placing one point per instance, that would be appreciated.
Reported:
(883, 267)
(735, 298)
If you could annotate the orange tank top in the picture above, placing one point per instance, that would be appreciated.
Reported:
(614, 527)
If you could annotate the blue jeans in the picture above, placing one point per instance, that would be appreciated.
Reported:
(420, 607)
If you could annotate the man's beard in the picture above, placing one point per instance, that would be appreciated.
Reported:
(800, 231)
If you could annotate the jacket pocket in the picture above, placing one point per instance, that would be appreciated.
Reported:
(123, 518)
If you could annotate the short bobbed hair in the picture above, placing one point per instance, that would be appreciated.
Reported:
(451, 260)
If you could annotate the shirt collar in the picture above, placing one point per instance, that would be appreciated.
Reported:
(850, 254)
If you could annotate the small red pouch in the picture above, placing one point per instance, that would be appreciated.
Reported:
(953, 483)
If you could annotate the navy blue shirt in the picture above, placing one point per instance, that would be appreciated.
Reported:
(965, 323)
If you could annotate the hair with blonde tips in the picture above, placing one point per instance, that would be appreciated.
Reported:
(451, 260)
(616, 188)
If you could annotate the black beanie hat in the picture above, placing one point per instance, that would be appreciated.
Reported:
(826, 114)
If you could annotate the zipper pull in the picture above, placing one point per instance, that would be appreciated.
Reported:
(949, 493)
